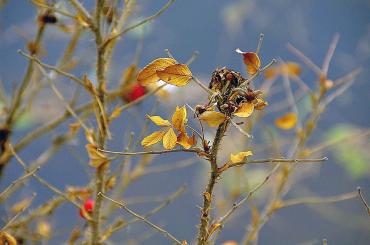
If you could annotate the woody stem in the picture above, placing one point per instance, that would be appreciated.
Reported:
(207, 195)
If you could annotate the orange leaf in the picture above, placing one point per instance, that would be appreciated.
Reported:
(245, 110)
(153, 138)
(178, 75)
(185, 141)
(149, 73)
(251, 60)
(287, 121)
(212, 118)
(169, 139)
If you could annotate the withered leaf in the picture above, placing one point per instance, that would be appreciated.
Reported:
(251, 61)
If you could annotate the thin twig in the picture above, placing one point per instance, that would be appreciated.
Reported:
(53, 68)
(329, 54)
(363, 200)
(278, 160)
(192, 58)
(260, 41)
(318, 200)
(240, 129)
(145, 220)
(204, 87)
(19, 213)
(155, 210)
(19, 180)
(148, 19)
(52, 188)
(305, 59)
(147, 152)
(62, 99)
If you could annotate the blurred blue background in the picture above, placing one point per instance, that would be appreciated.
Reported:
(215, 29)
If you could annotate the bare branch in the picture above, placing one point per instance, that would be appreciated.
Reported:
(148, 19)
(318, 200)
(145, 220)
(19, 180)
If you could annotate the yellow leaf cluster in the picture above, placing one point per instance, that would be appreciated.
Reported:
(239, 157)
(168, 135)
(287, 121)
(167, 70)
(251, 61)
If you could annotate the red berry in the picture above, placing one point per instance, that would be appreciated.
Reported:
(88, 207)
(136, 92)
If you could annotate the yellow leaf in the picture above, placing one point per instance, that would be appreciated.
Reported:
(251, 61)
(153, 138)
(169, 139)
(239, 157)
(287, 68)
(185, 141)
(111, 182)
(44, 229)
(213, 228)
(97, 158)
(90, 136)
(290, 68)
(178, 74)
(157, 120)
(260, 104)
(149, 73)
(21, 205)
(6, 238)
(272, 72)
(129, 74)
(74, 127)
(287, 121)
(179, 119)
(231, 242)
(115, 113)
(212, 118)
(245, 110)
(81, 193)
